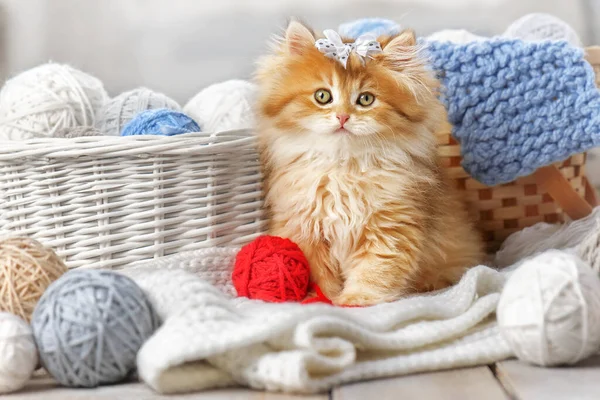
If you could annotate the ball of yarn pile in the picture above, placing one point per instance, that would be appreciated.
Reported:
(27, 268)
(375, 26)
(549, 310)
(224, 106)
(539, 26)
(160, 122)
(18, 354)
(89, 326)
(120, 110)
(43, 100)
(272, 269)
(78, 131)
(459, 36)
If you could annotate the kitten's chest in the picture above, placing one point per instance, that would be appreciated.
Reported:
(331, 202)
(343, 202)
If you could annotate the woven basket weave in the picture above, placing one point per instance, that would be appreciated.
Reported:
(504, 209)
(104, 202)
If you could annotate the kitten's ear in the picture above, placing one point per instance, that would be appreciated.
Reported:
(401, 44)
(298, 37)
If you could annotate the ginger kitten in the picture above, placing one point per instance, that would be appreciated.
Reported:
(351, 170)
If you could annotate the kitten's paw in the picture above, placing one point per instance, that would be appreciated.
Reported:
(359, 299)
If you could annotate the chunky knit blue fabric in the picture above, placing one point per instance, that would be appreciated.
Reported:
(515, 106)
(160, 121)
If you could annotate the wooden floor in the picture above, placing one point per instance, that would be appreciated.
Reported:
(510, 380)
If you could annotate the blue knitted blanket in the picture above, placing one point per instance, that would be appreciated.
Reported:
(517, 106)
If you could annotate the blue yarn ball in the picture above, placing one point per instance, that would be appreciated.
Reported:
(376, 26)
(160, 121)
(89, 326)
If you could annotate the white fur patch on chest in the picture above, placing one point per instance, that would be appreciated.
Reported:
(325, 200)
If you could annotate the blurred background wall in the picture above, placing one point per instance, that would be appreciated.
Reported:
(180, 46)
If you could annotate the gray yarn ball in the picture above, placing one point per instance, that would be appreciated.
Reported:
(120, 110)
(89, 326)
(77, 131)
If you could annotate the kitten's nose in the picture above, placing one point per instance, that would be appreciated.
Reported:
(343, 118)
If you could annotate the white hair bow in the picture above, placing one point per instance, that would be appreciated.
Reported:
(333, 47)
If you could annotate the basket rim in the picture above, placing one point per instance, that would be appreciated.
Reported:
(200, 143)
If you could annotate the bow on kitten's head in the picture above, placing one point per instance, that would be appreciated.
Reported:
(311, 103)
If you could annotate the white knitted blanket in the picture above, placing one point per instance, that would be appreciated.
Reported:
(211, 339)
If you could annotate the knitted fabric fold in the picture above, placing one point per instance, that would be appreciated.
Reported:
(517, 106)
(210, 339)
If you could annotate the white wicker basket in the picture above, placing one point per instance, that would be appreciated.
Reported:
(104, 202)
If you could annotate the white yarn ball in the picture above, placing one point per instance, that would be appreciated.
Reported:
(121, 109)
(46, 99)
(18, 353)
(223, 106)
(549, 310)
(459, 36)
(539, 26)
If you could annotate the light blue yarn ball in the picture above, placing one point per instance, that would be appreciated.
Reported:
(89, 326)
(376, 26)
(161, 121)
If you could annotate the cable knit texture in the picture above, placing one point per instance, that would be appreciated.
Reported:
(517, 106)
(210, 339)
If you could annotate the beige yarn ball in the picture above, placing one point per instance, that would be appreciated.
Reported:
(18, 353)
(549, 309)
(43, 100)
(27, 268)
(120, 110)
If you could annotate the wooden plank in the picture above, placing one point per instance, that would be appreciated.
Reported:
(527, 382)
(552, 181)
(591, 195)
(47, 389)
(281, 396)
(460, 384)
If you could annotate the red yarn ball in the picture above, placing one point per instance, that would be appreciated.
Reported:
(271, 269)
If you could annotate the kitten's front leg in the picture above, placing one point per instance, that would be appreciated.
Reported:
(380, 274)
(374, 281)
(323, 271)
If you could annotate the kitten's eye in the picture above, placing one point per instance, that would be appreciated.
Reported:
(323, 96)
(365, 99)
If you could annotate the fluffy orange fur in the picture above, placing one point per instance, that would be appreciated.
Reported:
(369, 204)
